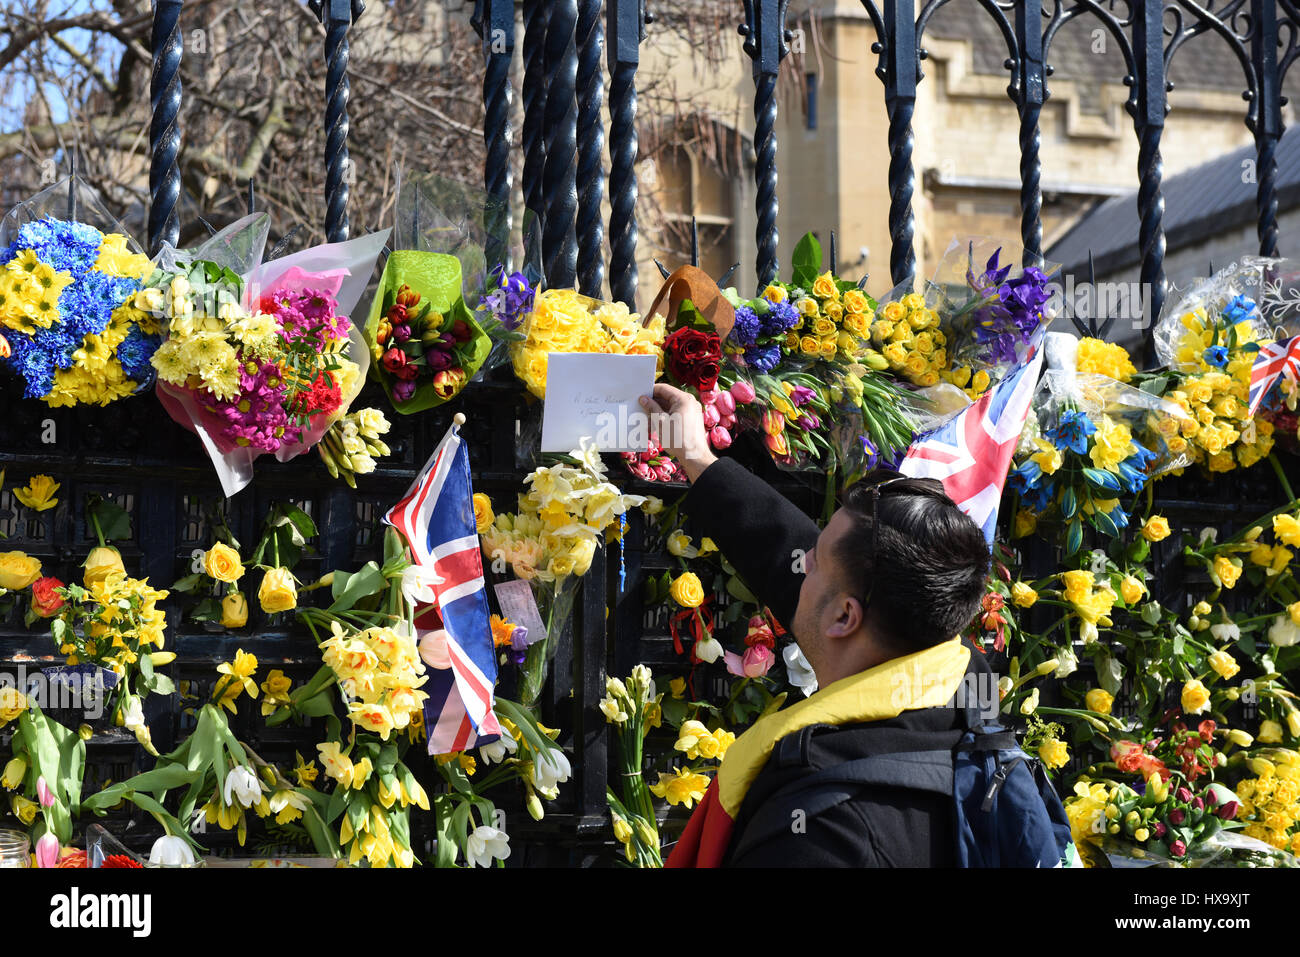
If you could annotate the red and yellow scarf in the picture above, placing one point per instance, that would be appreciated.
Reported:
(925, 679)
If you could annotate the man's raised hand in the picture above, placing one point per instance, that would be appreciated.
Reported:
(677, 419)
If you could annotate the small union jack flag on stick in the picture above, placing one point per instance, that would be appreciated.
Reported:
(1274, 362)
(436, 516)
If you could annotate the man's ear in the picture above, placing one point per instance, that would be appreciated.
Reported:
(849, 616)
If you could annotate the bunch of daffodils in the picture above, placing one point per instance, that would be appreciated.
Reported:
(633, 708)
(381, 671)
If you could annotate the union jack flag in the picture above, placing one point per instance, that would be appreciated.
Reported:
(1275, 360)
(972, 452)
(436, 516)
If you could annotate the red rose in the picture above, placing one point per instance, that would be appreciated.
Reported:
(694, 358)
(46, 602)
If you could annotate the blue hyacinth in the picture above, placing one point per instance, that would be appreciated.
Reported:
(763, 358)
(780, 319)
(747, 328)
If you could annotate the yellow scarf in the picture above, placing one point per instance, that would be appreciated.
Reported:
(924, 679)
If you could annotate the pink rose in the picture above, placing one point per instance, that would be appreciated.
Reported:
(742, 392)
(754, 663)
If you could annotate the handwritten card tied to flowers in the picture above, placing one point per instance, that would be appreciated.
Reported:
(597, 396)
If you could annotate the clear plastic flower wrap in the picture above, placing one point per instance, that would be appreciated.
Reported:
(69, 328)
(260, 356)
(1224, 849)
(1213, 323)
(439, 215)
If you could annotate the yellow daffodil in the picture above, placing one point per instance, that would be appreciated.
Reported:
(38, 495)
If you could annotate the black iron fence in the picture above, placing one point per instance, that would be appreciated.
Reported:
(134, 454)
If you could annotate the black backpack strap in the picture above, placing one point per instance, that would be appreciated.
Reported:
(822, 790)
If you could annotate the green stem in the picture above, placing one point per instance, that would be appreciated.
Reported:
(1281, 477)
(99, 532)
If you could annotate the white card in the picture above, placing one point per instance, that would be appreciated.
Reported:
(597, 396)
(520, 607)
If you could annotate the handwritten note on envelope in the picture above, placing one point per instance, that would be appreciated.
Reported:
(596, 395)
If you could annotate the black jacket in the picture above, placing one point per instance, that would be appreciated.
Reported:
(760, 532)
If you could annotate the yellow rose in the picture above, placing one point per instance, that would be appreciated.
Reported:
(810, 345)
(881, 331)
(1195, 698)
(1023, 595)
(774, 294)
(234, 610)
(821, 328)
(222, 563)
(279, 592)
(1227, 570)
(855, 302)
(915, 364)
(824, 287)
(102, 562)
(687, 591)
(896, 353)
(1099, 700)
(12, 703)
(1224, 664)
(18, 570)
(1131, 589)
(1054, 753)
(833, 311)
(1156, 529)
(893, 311)
(483, 516)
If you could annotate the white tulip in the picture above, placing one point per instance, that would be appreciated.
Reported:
(485, 845)
(708, 649)
(169, 851)
(496, 751)
(245, 787)
(1228, 631)
(550, 768)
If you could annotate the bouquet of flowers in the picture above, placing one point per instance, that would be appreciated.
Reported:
(267, 363)
(70, 327)
(551, 541)
(563, 320)
(424, 339)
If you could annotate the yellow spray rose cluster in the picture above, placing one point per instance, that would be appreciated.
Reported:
(906, 333)
(563, 320)
(1270, 801)
(832, 323)
(381, 670)
(562, 517)
(1090, 602)
(1218, 432)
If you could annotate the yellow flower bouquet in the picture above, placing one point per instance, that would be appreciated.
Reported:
(564, 320)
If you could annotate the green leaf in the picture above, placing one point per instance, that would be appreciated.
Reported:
(736, 589)
(207, 610)
(189, 583)
(1109, 673)
(114, 522)
(806, 262)
(351, 587)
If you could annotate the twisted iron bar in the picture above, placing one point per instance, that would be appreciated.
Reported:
(559, 241)
(495, 24)
(765, 174)
(1266, 193)
(1031, 189)
(902, 223)
(1151, 233)
(625, 31)
(164, 126)
(338, 19)
(591, 139)
(623, 146)
(534, 98)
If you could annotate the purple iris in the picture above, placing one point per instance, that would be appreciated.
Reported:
(511, 300)
(1012, 310)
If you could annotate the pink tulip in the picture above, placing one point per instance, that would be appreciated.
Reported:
(719, 437)
(664, 473)
(727, 421)
(708, 397)
(44, 793)
(710, 416)
(47, 851)
(742, 392)
(725, 403)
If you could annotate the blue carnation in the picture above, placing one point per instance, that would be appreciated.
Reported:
(134, 354)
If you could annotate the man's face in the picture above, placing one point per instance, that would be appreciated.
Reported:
(822, 594)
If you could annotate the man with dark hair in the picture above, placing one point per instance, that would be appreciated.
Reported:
(876, 601)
